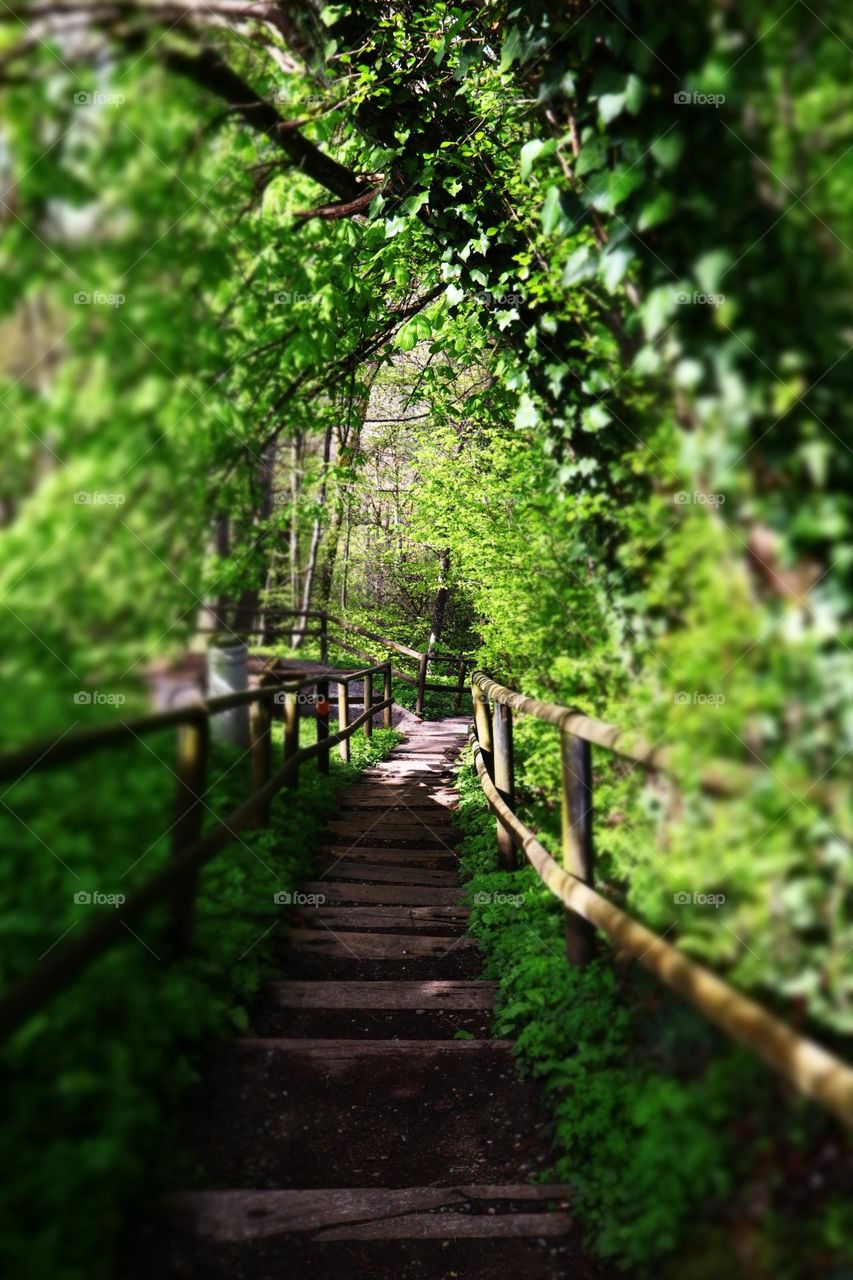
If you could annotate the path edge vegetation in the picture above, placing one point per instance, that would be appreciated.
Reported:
(662, 1126)
(118, 1051)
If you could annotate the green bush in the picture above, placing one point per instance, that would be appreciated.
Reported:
(94, 1081)
(659, 1122)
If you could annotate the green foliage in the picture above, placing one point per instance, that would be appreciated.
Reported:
(659, 1123)
(98, 1075)
(599, 310)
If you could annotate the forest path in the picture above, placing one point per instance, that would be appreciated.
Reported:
(351, 1132)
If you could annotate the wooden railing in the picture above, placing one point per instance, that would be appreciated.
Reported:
(804, 1064)
(175, 884)
(317, 626)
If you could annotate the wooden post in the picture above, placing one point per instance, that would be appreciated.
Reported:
(324, 637)
(261, 722)
(577, 837)
(321, 708)
(422, 675)
(460, 685)
(291, 733)
(343, 718)
(504, 780)
(193, 747)
(483, 726)
(368, 705)
(389, 720)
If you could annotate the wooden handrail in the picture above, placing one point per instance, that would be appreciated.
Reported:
(806, 1065)
(68, 958)
(721, 778)
(74, 746)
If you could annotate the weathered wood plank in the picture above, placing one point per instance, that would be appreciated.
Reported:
(370, 871)
(401, 801)
(347, 1051)
(395, 792)
(232, 1216)
(405, 857)
(398, 819)
(392, 894)
(432, 994)
(385, 917)
(375, 946)
(453, 1226)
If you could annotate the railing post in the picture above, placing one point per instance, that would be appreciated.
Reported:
(368, 705)
(422, 675)
(321, 708)
(460, 685)
(343, 719)
(324, 637)
(483, 726)
(504, 780)
(193, 748)
(389, 719)
(291, 733)
(261, 723)
(577, 837)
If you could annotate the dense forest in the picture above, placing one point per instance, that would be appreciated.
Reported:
(517, 333)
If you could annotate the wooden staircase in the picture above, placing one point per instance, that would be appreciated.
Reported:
(369, 1125)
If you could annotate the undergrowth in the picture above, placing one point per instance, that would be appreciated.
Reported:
(673, 1141)
(94, 1082)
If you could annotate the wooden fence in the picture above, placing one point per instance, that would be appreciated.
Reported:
(804, 1064)
(319, 622)
(176, 883)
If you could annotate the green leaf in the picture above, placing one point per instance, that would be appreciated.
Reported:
(614, 264)
(582, 265)
(529, 152)
(511, 48)
(657, 210)
(526, 415)
(592, 155)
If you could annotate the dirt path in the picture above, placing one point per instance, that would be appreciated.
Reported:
(355, 1131)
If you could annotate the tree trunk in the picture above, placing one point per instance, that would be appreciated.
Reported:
(440, 600)
(316, 535)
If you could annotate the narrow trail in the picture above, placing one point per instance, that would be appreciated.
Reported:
(351, 1133)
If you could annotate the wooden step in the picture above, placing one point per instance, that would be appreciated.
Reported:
(374, 1213)
(369, 871)
(375, 946)
(346, 1052)
(421, 802)
(390, 894)
(431, 994)
(404, 857)
(427, 793)
(385, 917)
(386, 823)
